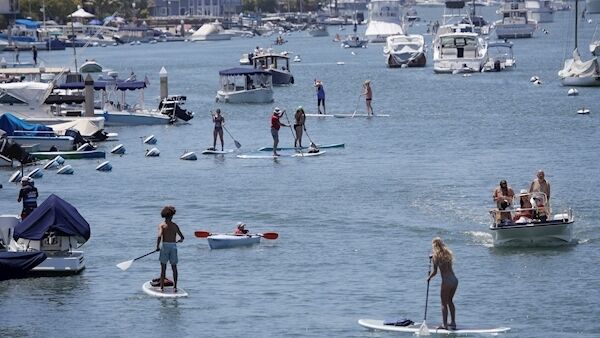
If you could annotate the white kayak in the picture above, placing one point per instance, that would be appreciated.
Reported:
(377, 324)
(223, 241)
(216, 152)
(347, 115)
(167, 293)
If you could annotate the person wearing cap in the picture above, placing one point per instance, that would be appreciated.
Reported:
(240, 229)
(167, 233)
(320, 96)
(28, 194)
(540, 184)
(218, 120)
(368, 93)
(275, 125)
(299, 119)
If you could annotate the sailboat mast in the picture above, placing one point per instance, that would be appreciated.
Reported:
(576, 20)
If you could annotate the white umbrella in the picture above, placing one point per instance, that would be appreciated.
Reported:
(81, 13)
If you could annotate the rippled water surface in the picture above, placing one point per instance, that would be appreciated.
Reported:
(355, 224)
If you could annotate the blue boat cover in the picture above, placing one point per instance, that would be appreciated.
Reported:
(11, 124)
(30, 24)
(101, 84)
(242, 71)
(17, 264)
(54, 214)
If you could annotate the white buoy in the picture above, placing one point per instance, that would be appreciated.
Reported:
(15, 177)
(537, 82)
(150, 140)
(54, 163)
(118, 150)
(104, 166)
(35, 173)
(189, 156)
(341, 63)
(66, 170)
(86, 147)
(353, 53)
(153, 152)
(573, 92)
(583, 111)
(59, 159)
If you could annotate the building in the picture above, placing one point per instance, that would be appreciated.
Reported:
(9, 7)
(195, 7)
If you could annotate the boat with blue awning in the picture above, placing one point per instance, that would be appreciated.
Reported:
(245, 85)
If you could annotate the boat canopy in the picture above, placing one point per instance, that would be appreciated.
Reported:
(102, 84)
(13, 126)
(54, 214)
(29, 24)
(84, 126)
(32, 93)
(238, 71)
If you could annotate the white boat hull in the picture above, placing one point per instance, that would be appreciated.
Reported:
(212, 37)
(584, 81)
(231, 241)
(61, 143)
(259, 95)
(547, 233)
(513, 31)
(458, 65)
(115, 118)
(69, 263)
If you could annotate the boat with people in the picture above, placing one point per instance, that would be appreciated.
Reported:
(501, 57)
(245, 85)
(225, 241)
(384, 20)
(515, 21)
(276, 64)
(532, 223)
(55, 228)
(405, 49)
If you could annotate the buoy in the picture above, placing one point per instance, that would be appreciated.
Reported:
(35, 173)
(189, 156)
(104, 166)
(118, 150)
(15, 177)
(353, 53)
(583, 111)
(573, 92)
(152, 152)
(54, 163)
(66, 170)
(341, 63)
(150, 140)
(537, 82)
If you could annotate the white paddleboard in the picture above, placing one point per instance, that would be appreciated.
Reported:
(215, 152)
(347, 115)
(376, 324)
(307, 154)
(167, 293)
(248, 156)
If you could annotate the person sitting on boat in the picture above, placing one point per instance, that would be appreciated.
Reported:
(313, 148)
(524, 213)
(539, 205)
(241, 229)
(218, 120)
(28, 194)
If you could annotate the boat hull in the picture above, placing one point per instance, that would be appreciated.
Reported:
(281, 78)
(132, 119)
(44, 143)
(556, 232)
(413, 60)
(583, 81)
(448, 66)
(231, 241)
(69, 263)
(514, 31)
(259, 95)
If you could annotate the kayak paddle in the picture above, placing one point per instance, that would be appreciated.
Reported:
(127, 264)
(423, 330)
(267, 235)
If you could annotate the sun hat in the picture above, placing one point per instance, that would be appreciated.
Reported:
(367, 81)
(276, 110)
(524, 192)
(240, 225)
(26, 179)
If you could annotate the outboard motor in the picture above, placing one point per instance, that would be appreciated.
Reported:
(78, 139)
(497, 66)
(15, 152)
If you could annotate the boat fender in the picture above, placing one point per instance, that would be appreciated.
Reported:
(150, 140)
(104, 166)
(35, 173)
(66, 170)
(15, 177)
(189, 156)
(152, 152)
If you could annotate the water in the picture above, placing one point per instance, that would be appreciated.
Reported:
(355, 224)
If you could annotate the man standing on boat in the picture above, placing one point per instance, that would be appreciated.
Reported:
(503, 195)
(320, 96)
(28, 194)
(540, 184)
(275, 125)
(167, 233)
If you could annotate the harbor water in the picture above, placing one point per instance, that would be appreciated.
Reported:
(355, 225)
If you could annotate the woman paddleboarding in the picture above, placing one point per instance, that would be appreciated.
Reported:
(218, 120)
(442, 259)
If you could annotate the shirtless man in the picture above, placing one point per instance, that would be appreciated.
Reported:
(167, 232)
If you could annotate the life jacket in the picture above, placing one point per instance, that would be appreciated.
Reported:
(30, 197)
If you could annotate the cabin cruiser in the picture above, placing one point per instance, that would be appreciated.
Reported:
(245, 85)
(532, 223)
(456, 47)
(212, 31)
(406, 50)
(56, 229)
(515, 22)
(318, 30)
(500, 57)
(276, 64)
(540, 11)
(384, 20)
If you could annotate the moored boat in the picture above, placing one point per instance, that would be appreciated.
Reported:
(73, 155)
(245, 85)
(406, 50)
(276, 64)
(223, 241)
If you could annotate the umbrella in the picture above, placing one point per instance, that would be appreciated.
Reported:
(81, 13)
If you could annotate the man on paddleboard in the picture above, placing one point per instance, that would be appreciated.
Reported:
(167, 232)
(275, 125)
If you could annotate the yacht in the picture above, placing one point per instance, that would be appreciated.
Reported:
(384, 20)
(276, 64)
(515, 22)
(406, 50)
(212, 31)
(456, 47)
(245, 85)
(540, 10)
(501, 57)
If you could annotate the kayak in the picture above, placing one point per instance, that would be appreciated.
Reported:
(333, 145)
(167, 293)
(223, 241)
(376, 324)
(216, 152)
(347, 115)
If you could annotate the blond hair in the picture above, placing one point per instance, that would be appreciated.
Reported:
(441, 253)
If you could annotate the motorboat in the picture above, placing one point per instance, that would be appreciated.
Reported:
(540, 10)
(245, 85)
(406, 50)
(172, 106)
(245, 59)
(354, 41)
(55, 228)
(480, 25)
(90, 66)
(318, 31)
(40, 136)
(576, 72)
(456, 47)
(276, 64)
(212, 31)
(500, 57)
(223, 241)
(515, 22)
(384, 20)
(532, 225)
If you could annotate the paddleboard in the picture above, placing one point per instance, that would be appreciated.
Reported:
(307, 154)
(247, 156)
(376, 324)
(167, 293)
(216, 152)
(347, 115)
(333, 145)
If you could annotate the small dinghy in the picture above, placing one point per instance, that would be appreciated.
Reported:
(118, 150)
(150, 140)
(66, 170)
(15, 177)
(189, 156)
(104, 166)
(154, 152)
(583, 111)
(35, 173)
(224, 241)
(153, 289)
(572, 92)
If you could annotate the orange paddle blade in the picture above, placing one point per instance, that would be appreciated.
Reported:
(201, 234)
(270, 235)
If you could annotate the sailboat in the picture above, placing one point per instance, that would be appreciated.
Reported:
(577, 72)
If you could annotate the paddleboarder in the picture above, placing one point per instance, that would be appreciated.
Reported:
(28, 194)
(368, 93)
(167, 233)
(218, 120)
(320, 96)
(442, 258)
(275, 125)
(299, 119)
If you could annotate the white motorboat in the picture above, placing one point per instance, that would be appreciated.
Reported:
(245, 85)
(500, 57)
(515, 22)
(540, 10)
(533, 225)
(245, 60)
(212, 31)
(456, 47)
(384, 20)
(354, 41)
(39, 136)
(276, 64)
(318, 30)
(56, 228)
(406, 50)
(224, 241)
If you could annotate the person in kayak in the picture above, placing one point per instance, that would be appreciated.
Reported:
(240, 229)
(218, 120)
(275, 125)
(442, 259)
(299, 119)
(28, 194)
(167, 233)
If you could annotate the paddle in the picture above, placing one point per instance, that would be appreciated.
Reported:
(127, 264)
(423, 330)
(356, 106)
(237, 144)
(267, 235)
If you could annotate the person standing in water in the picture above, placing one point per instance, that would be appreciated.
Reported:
(320, 96)
(442, 259)
(167, 233)
(299, 119)
(218, 120)
(368, 93)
